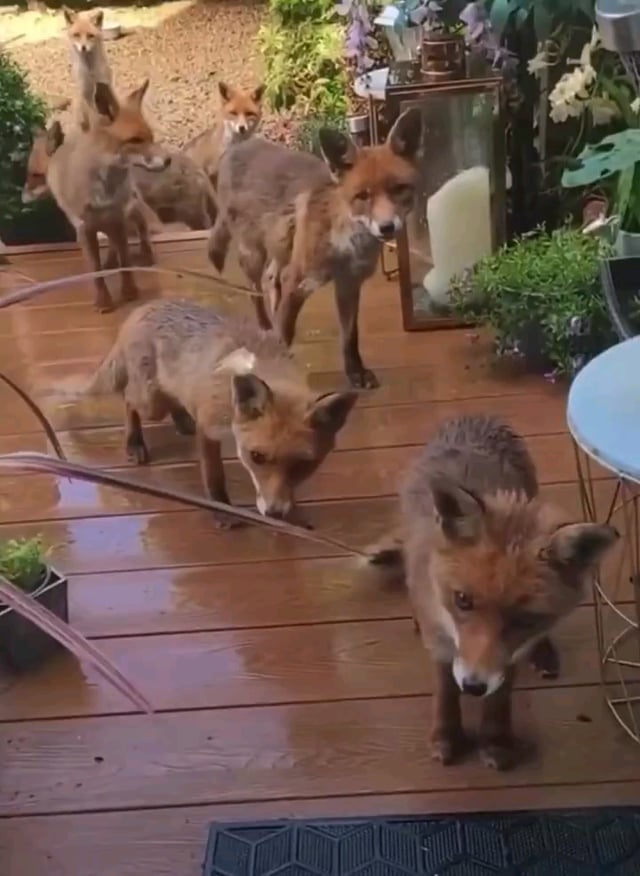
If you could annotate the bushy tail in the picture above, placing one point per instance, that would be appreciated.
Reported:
(110, 377)
(387, 556)
(219, 241)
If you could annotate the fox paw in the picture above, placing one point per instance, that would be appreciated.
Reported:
(499, 754)
(138, 453)
(545, 660)
(362, 378)
(447, 747)
(225, 522)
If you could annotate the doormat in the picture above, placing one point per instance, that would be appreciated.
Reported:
(590, 842)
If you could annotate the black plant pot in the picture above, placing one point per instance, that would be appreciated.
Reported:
(529, 344)
(620, 279)
(23, 645)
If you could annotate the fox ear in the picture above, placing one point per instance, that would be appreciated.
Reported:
(580, 546)
(69, 14)
(458, 511)
(137, 95)
(338, 150)
(330, 412)
(258, 93)
(54, 138)
(225, 90)
(405, 136)
(96, 17)
(250, 395)
(105, 101)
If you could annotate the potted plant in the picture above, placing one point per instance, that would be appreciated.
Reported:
(542, 297)
(23, 562)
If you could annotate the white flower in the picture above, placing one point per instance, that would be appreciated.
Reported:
(635, 105)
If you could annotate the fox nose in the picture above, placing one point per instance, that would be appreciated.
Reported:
(167, 161)
(387, 230)
(474, 688)
(242, 129)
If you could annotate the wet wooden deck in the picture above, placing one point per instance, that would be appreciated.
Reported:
(285, 684)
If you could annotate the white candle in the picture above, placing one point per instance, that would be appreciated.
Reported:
(459, 217)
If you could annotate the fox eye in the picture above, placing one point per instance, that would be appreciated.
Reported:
(402, 190)
(136, 141)
(363, 195)
(258, 458)
(463, 601)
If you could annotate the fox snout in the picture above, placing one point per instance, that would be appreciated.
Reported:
(387, 228)
(153, 163)
(476, 683)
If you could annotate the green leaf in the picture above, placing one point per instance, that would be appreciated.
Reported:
(613, 154)
(623, 191)
(501, 10)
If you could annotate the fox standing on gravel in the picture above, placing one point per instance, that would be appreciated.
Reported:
(212, 372)
(490, 569)
(88, 56)
(238, 119)
(299, 222)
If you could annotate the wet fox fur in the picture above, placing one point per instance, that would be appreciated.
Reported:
(211, 373)
(299, 222)
(179, 193)
(490, 568)
(238, 119)
(88, 58)
(89, 176)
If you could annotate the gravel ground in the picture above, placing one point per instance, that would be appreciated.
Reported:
(185, 47)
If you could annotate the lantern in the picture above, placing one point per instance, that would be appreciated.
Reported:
(459, 211)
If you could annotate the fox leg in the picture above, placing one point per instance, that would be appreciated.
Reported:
(497, 744)
(91, 247)
(142, 227)
(183, 421)
(545, 659)
(137, 450)
(448, 740)
(347, 294)
(128, 289)
(294, 293)
(252, 261)
(213, 479)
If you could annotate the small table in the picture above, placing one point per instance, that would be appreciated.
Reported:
(603, 415)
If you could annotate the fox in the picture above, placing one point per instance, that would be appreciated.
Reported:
(300, 222)
(239, 118)
(211, 373)
(179, 193)
(89, 60)
(490, 568)
(89, 177)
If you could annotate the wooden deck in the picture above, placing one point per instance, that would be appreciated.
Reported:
(285, 683)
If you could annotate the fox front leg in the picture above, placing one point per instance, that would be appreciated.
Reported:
(212, 470)
(498, 747)
(448, 740)
(347, 294)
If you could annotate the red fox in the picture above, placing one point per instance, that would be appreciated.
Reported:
(88, 57)
(211, 373)
(179, 193)
(238, 119)
(89, 176)
(302, 222)
(490, 568)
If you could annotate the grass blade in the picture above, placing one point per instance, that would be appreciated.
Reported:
(42, 462)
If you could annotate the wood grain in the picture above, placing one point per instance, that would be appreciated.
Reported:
(276, 752)
(247, 667)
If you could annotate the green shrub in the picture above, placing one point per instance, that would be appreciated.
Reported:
(542, 291)
(23, 562)
(304, 58)
(20, 113)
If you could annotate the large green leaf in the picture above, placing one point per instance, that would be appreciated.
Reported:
(611, 155)
(501, 10)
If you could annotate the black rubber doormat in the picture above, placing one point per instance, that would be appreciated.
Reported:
(592, 842)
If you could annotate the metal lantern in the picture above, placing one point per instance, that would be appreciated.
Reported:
(459, 211)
